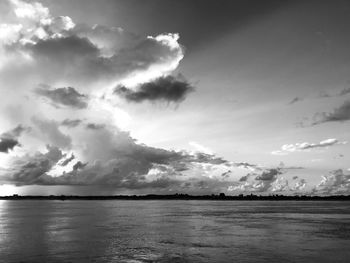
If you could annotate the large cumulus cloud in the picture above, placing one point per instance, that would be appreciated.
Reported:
(80, 141)
(335, 183)
(82, 54)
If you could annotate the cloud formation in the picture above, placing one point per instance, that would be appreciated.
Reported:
(71, 123)
(265, 180)
(67, 96)
(339, 114)
(337, 182)
(9, 139)
(304, 146)
(82, 54)
(51, 132)
(295, 100)
(112, 157)
(169, 88)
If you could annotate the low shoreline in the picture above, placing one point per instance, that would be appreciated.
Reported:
(220, 197)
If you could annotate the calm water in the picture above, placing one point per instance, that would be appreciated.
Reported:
(174, 231)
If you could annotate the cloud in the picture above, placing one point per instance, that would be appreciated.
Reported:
(295, 100)
(169, 88)
(249, 166)
(244, 178)
(69, 123)
(300, 185)
(67, 160)
(7, 144)
(51, 132)
(200, 148)
(337, 182)
(298, 147)
(269, 175)
(9, 139)
(32, 169)
(94, 126)
(54, 48)
(114, 158)
(67, 96)
(339, 114)
(345, 91)
(267, 180)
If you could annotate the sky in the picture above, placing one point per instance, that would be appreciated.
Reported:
(164, 96)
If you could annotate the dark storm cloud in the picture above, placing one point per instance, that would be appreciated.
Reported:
(66, 96)
(169, 88)
(339, 114)
(9, 139)
(71, 123)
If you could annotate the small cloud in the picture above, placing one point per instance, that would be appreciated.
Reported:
(67, 96)
(169, 88)
(71, 123)
(298, 147)
(295, 100)
(67, 160)
(301, 184)
(94, 126)
(244, 178)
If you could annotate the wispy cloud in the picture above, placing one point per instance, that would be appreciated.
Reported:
(295, 100)
(304, 146)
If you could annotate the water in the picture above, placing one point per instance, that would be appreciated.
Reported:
(174, 231)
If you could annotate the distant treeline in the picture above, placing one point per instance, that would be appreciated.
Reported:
(220, 196)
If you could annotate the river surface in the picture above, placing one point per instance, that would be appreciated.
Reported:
(174, 231)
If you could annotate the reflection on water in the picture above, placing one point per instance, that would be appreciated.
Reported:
(174, 231)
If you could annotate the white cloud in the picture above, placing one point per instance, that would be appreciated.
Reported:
(305, 146)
